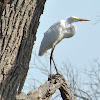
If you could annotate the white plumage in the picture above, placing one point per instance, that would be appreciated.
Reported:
(58, 31)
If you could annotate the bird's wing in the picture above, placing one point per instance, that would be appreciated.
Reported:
(51, 37)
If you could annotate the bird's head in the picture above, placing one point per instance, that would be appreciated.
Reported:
(75, 19)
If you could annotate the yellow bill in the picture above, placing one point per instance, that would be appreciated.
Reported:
(81, 19)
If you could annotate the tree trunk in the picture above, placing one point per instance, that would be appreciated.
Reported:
(20, 20)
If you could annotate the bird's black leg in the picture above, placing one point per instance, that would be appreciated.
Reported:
(50, 63)
(51, 58)
(55, 65)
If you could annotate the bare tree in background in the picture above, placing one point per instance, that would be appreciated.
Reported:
(83, 89)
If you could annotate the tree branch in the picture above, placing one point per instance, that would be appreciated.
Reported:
(46, 90)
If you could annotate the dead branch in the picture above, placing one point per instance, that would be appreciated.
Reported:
(45, 91)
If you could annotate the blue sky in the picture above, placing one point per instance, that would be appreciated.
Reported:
(81, 49)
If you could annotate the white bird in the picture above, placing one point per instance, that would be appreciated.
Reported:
(58, 31)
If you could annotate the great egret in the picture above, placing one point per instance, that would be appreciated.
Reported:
(58, 31)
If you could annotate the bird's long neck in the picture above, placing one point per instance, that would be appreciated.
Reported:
(70, 30)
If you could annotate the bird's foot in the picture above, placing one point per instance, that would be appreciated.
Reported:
(50, 77)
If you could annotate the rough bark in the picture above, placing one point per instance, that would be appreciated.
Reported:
(20, 20)
(3, 3)
(45, 91)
